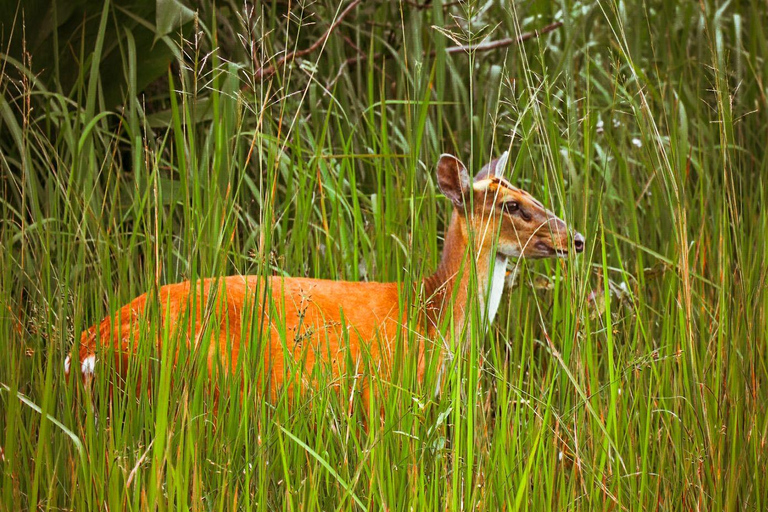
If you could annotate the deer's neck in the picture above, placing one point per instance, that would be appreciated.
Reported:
(446, 292)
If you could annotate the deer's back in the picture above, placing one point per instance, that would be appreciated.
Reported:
(296, 321)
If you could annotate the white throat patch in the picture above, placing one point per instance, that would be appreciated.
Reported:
(491, 304)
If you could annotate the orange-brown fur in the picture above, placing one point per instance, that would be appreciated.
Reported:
(303, 315)
(303, 322)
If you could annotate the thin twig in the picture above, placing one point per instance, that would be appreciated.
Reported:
(138, 464)
(263, 73)
(483, 47)
(492, 45)
(428, 4)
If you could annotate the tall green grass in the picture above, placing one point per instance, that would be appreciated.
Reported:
(629, 378)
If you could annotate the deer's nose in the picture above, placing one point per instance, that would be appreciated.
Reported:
(578, 242)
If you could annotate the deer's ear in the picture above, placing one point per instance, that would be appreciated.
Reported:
(501, 164)
(453, 179)
(495, 167)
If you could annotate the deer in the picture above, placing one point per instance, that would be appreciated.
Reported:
(304, 322)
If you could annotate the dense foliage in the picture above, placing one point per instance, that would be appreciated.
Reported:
(149, 142)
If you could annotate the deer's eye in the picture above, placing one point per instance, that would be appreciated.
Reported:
(510, 206)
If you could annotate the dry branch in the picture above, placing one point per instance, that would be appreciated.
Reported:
(263, 73)
(492, 45)
(482, 47)
(266, 72)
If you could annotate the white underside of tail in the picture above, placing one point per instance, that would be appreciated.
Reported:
(87, 367)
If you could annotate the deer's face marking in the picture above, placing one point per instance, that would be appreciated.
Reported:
(492, 205)
(526, 228)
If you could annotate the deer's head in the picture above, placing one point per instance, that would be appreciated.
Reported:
(489, 204)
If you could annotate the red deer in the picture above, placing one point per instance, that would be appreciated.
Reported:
(306, 321)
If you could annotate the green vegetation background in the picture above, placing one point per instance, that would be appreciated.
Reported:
(144, 143)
